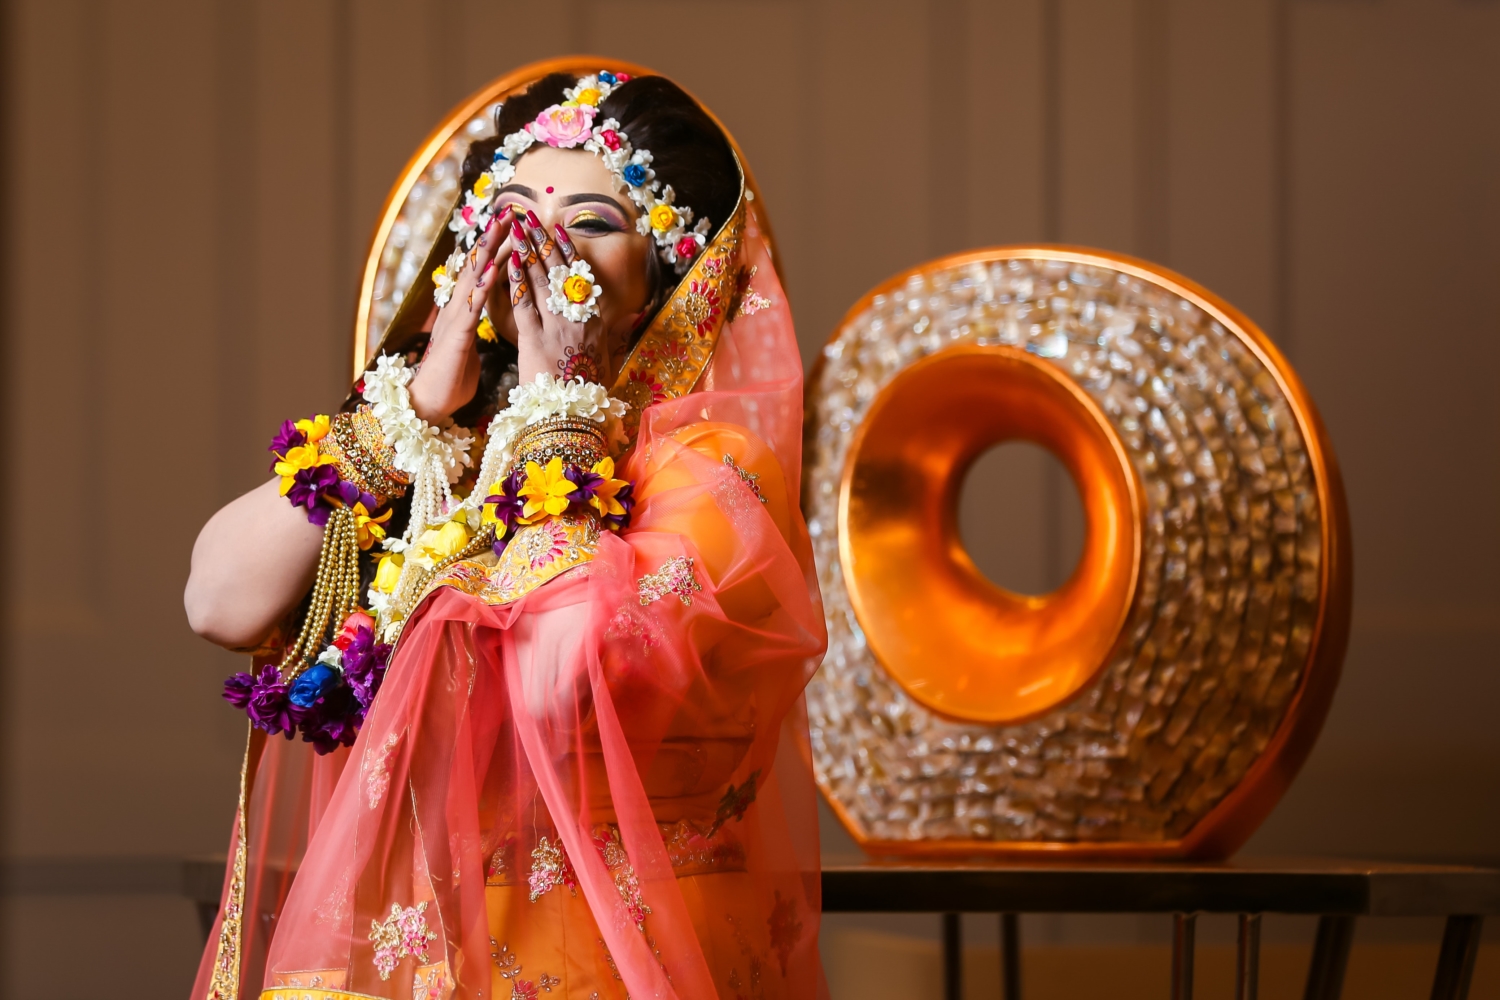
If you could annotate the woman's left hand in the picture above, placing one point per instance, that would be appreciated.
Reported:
(547, 342)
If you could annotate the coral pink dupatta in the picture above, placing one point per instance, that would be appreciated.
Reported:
(612, 769)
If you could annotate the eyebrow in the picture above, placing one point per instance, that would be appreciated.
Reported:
(580, 199)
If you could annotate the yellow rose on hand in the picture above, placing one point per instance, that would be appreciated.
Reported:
(577, 288)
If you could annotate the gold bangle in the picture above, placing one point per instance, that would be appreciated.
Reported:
(573, 439)
(357, 444)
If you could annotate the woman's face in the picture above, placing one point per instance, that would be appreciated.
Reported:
(572, 188)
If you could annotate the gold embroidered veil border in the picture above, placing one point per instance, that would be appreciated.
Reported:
(666, 363)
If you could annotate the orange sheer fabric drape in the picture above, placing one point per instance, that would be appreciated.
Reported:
(604, 787)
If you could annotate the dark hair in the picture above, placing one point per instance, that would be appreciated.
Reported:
(688, 151)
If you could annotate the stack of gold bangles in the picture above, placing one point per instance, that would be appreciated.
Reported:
(575, 440)
(357, 443)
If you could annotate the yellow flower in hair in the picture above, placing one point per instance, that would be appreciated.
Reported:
(545, 491)
(663, 217)
(388, 572)
(589, 95)
(482, 186)
(486, 330)
(577, 288)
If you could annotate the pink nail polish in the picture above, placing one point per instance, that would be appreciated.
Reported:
(517, 233)
(531, 218)
(515, 259)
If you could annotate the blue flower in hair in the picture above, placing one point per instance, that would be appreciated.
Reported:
(499, 158)
(635, 174)
(607, 77)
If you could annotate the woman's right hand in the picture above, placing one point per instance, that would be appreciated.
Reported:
(449, 375)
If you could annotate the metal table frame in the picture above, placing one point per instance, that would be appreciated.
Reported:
(1337, 892)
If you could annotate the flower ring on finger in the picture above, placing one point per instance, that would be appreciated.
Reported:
(575, 293)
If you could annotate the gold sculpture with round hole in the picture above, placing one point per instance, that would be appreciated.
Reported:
(1158, 703)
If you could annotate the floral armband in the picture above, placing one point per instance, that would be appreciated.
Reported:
(310, 478)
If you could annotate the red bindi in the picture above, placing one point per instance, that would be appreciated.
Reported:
(549, 190)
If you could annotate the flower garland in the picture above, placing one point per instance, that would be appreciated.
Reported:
(433, 457)
(569, 125)
(536, 492)
(327, 702)
(310, 479)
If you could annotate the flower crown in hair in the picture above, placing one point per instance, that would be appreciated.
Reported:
(569, 125)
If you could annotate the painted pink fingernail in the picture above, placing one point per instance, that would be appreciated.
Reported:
(562, 236)
(517, 233)
(531, 218)
(515, 260)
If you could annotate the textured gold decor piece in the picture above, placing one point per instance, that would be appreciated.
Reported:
(1161, 700)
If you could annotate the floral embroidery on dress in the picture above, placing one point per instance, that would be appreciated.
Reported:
(734, 803)
(403, 933)
(674, 578)
(378, 769)
(607, 839)
(748, 301)
(750, 479)
(550, 868)
(785, 928)
(510, 969)
(754, 989)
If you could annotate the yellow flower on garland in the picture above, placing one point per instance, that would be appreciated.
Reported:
(588, 95)
(486, 330)
(545, 491)
(369, 529)
(437, 544)
(295, 460)
(388, 572)
(663, 217)
(316, 428)
(604, 494)
(482, 186)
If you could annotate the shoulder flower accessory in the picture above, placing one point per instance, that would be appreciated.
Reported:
(575, 124)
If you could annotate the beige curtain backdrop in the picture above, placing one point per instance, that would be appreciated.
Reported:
(190, 188)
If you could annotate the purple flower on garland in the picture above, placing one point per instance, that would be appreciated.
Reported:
(585, 484)
(364, 663)
(507, 507)
(287, 438)
(312, 488)
(264, 699)
(348, 495)
(626, 497)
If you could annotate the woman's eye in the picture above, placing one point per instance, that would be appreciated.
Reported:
(592, 222)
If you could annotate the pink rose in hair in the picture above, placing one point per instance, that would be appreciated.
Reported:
(564, 125)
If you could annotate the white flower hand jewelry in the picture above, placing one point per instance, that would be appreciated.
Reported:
(575, 293)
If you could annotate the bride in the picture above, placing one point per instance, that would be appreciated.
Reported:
(534, 609)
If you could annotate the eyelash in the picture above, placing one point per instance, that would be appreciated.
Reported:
(593, 223)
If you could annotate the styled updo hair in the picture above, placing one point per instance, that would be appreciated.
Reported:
(688, 151)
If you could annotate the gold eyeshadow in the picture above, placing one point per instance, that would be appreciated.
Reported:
(587, 216)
